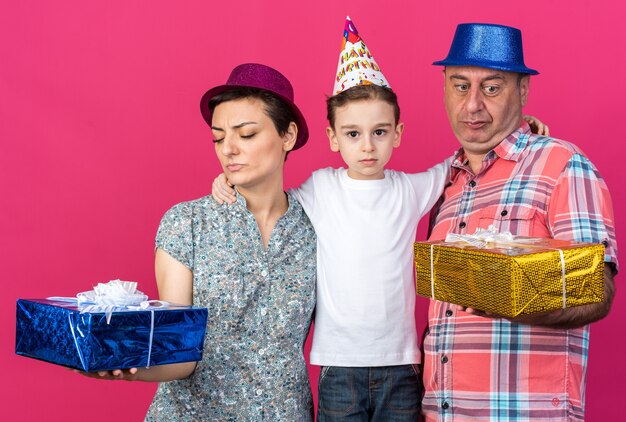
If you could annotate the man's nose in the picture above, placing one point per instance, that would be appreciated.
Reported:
(474, 101)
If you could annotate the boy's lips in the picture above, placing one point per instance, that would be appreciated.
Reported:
(368, 161)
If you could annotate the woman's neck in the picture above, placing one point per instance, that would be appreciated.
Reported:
(267, 206)
(265, 203)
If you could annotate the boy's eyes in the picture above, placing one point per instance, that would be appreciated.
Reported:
(355, 134)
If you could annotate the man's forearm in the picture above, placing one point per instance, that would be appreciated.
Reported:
(576, 316)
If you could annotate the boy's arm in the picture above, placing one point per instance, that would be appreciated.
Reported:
(305, 194)
(224, 192)
(429, 185)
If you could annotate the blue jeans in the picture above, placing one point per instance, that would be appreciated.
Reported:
(385, 393)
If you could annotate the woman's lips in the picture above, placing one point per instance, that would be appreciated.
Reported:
(234, 167)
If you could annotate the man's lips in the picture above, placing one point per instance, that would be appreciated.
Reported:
(476, 124)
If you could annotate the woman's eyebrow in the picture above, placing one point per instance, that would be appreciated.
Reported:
(238, 126)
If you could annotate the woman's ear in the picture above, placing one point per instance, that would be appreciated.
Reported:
(290, 137)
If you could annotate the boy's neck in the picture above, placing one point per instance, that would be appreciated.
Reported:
(357, 176)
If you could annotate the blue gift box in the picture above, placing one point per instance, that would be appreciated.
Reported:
(56, 331)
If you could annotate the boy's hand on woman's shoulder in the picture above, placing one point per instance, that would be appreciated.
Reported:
(223, 191)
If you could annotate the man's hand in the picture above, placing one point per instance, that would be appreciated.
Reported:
(567, 318)
(473, 311)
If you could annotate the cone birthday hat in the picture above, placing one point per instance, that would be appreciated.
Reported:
(356, 64)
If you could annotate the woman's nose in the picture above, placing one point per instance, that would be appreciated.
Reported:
(228, 146)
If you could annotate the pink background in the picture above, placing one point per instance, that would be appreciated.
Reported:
(100, 133)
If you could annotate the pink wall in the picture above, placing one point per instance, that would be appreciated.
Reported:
(100, 132)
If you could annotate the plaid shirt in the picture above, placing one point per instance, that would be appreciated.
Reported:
(483, 369)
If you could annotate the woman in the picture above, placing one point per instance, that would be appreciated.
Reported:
(252, 265)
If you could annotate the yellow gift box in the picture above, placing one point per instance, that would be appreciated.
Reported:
(522, 276)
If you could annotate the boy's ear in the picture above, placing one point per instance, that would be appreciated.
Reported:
(290, 137)
(332, 137)
(398, 132)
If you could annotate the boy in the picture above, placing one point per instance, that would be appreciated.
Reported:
(365, 218)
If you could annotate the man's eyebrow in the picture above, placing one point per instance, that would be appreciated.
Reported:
(487, 78)
(239, 126)
(459, 77)
(492, 77)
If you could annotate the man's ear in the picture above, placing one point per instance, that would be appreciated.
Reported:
(524, 88)
(290, 137)
(332, 138)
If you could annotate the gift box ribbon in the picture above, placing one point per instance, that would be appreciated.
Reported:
(112, 296)
(490, 237)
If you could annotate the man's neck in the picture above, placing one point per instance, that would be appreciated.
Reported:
(475, 161)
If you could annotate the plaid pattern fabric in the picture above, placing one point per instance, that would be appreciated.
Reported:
(482, 369)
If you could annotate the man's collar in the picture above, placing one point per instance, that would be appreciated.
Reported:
(508, 149)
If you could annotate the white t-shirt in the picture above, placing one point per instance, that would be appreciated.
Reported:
(365, 285)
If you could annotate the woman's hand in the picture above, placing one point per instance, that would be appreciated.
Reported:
(536, 125)
(175, 284)
(159, 373)
(131, 374)
(223, 191)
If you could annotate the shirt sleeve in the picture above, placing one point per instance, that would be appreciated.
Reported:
(581, 209)
(175, 234)
(430, 184)
(305, 194)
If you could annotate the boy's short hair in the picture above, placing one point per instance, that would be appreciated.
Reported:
(361, 93)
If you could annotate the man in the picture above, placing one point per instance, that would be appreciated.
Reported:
(480, 367)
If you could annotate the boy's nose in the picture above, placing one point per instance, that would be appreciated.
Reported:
(368, 145)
